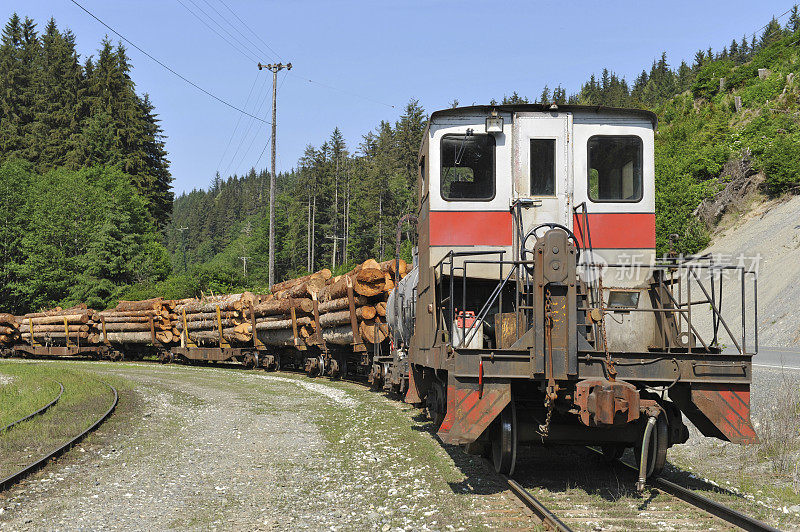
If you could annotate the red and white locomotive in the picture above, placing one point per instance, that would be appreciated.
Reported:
(538, 311)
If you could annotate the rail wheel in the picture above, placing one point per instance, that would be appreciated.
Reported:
(436, 403)
(504, 440)
(659, 442)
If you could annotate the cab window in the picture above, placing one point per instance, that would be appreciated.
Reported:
(615, 168)
(467, 172)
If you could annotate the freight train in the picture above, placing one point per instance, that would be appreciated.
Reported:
(536, 311)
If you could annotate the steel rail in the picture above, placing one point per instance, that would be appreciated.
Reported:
(546, 516)
(40, 411)
(22, 473)
(734, 517)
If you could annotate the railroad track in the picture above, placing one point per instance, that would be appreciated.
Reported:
(38, 412)
(34, 466)
(734, 517)
(547, 517)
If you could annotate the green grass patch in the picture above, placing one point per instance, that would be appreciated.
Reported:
(26, 393)
(85, 399)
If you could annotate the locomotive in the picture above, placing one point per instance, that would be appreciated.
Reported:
(538, 312)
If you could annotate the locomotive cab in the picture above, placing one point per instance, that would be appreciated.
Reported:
(541, 313)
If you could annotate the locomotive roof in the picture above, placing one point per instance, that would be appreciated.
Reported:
(538, 107)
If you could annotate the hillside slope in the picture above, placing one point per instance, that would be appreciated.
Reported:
(769, 234)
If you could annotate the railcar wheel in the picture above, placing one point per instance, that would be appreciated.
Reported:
(659, 442)
(504, 440)
(436, 403)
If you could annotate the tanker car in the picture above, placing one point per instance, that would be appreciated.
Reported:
(538, 312)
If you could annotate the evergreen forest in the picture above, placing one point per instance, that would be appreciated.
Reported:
(87, 211)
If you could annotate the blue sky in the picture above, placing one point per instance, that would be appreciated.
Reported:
(366, 56)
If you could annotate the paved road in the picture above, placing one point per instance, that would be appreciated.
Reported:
(776, 357)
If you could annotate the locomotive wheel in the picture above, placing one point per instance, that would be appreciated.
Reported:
(504, 440)
(659, 441)
(436, 403)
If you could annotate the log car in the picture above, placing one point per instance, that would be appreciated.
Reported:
(540, 313)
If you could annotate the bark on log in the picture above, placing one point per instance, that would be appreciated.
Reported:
(136, 327)
(284, 306)
(341, 303)
(280, 337)
(131, 314)
(139, 337)
(7, 331)
(44, 337)
(202, 316)
(206, 306)
(58, 311)
(323, 274)
(50, 328)
(9, 319)
(207, 324)
(338, 335)
(342, 317)
(157, 303)
(390, 266)
(51, 320)
(110, 318)
(282, 324)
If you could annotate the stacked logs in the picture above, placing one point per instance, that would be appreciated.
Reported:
(199, 321)
(57, 327)
(368, 285)
(9, 329)
(146, 322)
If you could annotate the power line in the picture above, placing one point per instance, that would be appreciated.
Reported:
(251, 30)
(236, 29)
(244, 52)
(238, 120)
(246, 133)
(193, 84)
(345, 91)
(269, 140)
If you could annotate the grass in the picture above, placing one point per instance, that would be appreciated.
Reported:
(84, 400)
(26, 393)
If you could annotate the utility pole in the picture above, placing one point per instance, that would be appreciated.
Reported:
(244, 265)
(274, 68)
(183, 245)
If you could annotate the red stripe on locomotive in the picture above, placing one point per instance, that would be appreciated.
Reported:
(610, 230)
(470, 228)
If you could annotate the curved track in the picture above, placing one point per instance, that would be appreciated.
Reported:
(40, 411)
(19, 475)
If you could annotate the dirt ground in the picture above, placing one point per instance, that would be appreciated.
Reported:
(218, 449)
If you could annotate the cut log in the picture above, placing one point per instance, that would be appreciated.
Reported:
(343, 316)
(390, 266)
(50, 328)
(9, 320)
(338, 335)
(323, 274)
(284, 306)
(207, 306)
(111, 318)
(50, 320)
(135, 327)
(389, 285)
(131, 314)
(202, 316)
(207, 324)
(45, 337)
(138, 337)
(304, 289)
(157, 303)
(280, 337)
(341, 303)
(7, 331)
(58, 311)
(371, 331)
(380, 308)
(281, 324)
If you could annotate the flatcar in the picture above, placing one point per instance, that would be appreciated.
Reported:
(538, 312)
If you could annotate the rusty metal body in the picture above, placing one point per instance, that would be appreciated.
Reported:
(576, 348)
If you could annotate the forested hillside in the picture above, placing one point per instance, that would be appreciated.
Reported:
(86, 207)
(84, 178)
